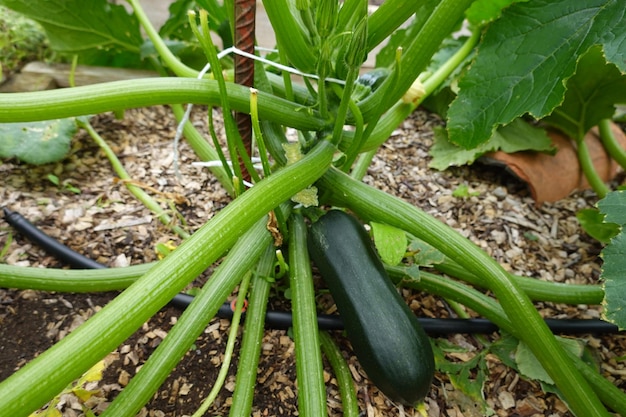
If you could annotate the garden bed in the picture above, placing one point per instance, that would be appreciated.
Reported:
(104, 222)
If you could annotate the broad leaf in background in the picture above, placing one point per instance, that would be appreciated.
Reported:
(37, 142)
(484, 11)
(515, 137)
(86, 29)
(390, 242)
(524, 59)
(591, 95)
(614, 256)
(177, 25)
(529, 366)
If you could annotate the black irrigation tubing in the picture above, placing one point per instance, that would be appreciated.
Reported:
(282, 319)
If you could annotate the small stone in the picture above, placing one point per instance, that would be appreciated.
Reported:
(500, 193)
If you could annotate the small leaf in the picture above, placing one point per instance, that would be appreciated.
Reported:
(53, 179)
(424, 254)
(37, 142)
(530, 367)
(93, 374)
(390, 242)
(592, 222)
(515, 137)
(463, 191)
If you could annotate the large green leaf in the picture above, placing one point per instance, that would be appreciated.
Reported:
(74, 26)
(483, 11)
(515, 137)
(37, 142)
(591, 95)
(614, 256)
(524, 59)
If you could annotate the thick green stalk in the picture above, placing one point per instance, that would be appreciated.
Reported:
(362, 164)
(487, 307)
(536, 289)
(589, 170)
(66, 280)
(254, 329)
(99, 98)
(613, 397)
(387, 18)
(416, 56)
(349, 403)
(232, 133)
(349, 11)
(170, 60)
(135, 190)
(240, 259)
(611, 144)
(309, 369)
(401, 110)
(377, 205)
(48, 374)
(289, 34)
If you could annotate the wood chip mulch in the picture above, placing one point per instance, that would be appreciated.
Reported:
(107, 224)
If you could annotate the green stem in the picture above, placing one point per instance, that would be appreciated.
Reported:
(68, 280)
(252, 337)
(192, 322)
(230, 347)
(166, 55)
(416, 56)
(135, 190)
(590, 172)
(490, 309)
(232, 133)
(349, 403)
(357, 140)
(256, 126)
(610, 395)
(63, 280)
(99, 98)
(290, 36)
(400, 111)
(49, 373)
(536, 289)
(382, 207)
(309, 369)
(362, 164)
(204, 150)
(342, 111)
(611, 144)
(387, 18)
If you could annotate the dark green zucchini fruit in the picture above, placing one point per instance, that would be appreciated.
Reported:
(387, 339)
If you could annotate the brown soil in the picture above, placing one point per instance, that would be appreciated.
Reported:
(105, 223)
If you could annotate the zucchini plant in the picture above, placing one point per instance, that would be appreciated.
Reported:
(341, 117)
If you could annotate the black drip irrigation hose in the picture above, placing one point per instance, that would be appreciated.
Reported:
(282, 319)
